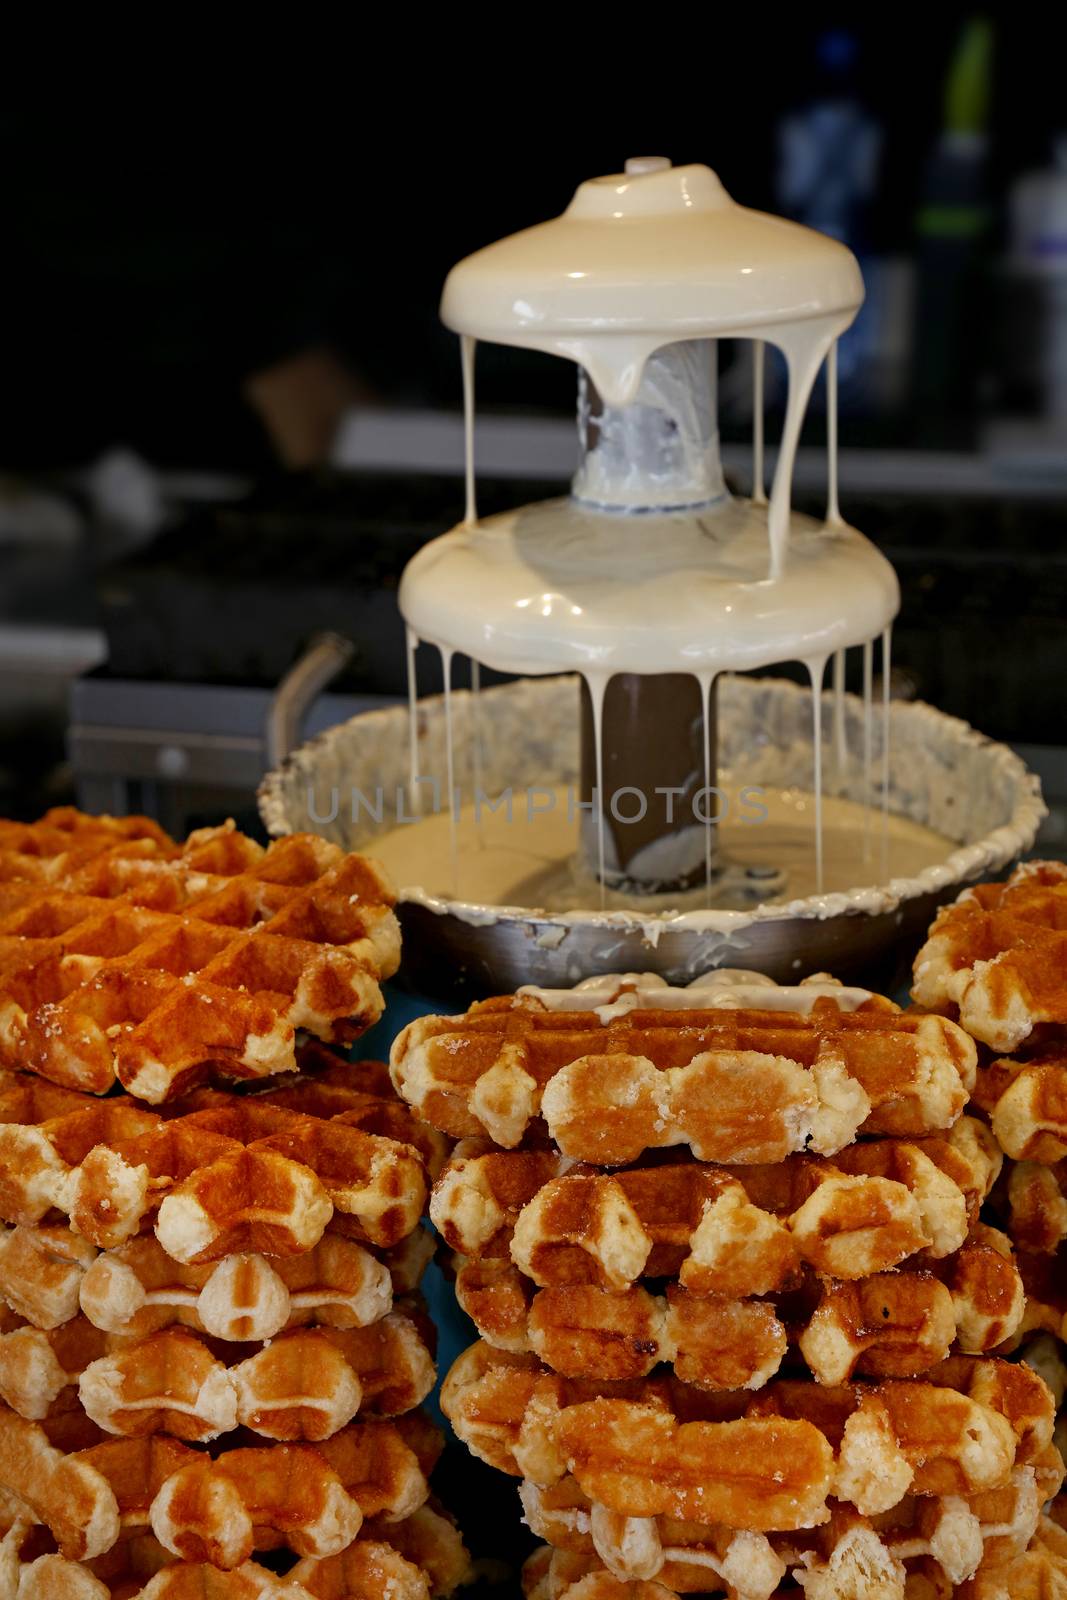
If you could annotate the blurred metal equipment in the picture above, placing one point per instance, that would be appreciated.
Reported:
(303, 683)
(182, 752)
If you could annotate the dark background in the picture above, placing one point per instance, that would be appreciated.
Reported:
(170, 231)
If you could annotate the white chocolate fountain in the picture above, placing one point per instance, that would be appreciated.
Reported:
(650, 582)
(651, 567)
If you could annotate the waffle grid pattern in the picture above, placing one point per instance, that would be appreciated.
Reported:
(740, 1296)
(213, 1352)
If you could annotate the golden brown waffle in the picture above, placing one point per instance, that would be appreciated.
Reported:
(108, 1164)
(417, 1558)
(890, 1324)
(38, 1367)
(86, 1497)
(957, 1536)
(430, 1540)
(584, 1331)
(303, 1386)
(740, 1230)
(301, 1383)
(368, 1572)
(1025, 1099)
(804, 1211)
(1045, 1286)
(32, 1570)
(64, 840)
(651, 1447)
(356, 1094)
(46, 1273)
(41, 1271)
(682, 1557)
(239, 1175)
(897, 1325)
(157, 965)
(563, 1575)
(735, 1086)
(311, 1500)
(219, 1509)
(997, 957)
(1035, 1204)
(1039, 1574)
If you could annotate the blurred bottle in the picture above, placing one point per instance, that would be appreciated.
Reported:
(829, 163)
(1036, 270)
(953, 226)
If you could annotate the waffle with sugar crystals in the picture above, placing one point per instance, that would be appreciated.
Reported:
(902, 1324)
(41, 1272)
(39, 1366)
(1040, 1573)
(109, 1164)
(1045, 1286)
(386, 1364)
(860, 1568)
(51, 1577)
(805, 1211)
(237, 1175)
(962, 1428)
(997, 957)
(356, 1094)
(294, 1386)
(46, 1273)
(551, 1574)
(311, 1499)
(157, 964)
(1025, 1098)
(138, 1288)
(431, 1541)
(301, 1386)
(1034, 1200)
(741, 1230)
(733, 1085)
(891, 1324)
(417, 1558)
(584, 1331)
(65, 840)
(276, 1186)
(958, 1534)
(89, 1496)
(684, 1556)
(641, 1461)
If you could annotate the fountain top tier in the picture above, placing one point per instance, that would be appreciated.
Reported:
(645, 258)
(651, 566)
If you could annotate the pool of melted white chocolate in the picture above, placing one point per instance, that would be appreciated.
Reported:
(529, 858)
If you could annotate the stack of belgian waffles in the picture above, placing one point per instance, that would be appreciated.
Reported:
(997, 960)
(738, 1298)
(212, 1351)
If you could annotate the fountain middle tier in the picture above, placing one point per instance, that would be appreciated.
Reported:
(557, 587)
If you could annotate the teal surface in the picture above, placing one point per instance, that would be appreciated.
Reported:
(400, 1009)
(454, 1330)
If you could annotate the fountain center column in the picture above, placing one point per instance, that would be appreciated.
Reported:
(659, 454)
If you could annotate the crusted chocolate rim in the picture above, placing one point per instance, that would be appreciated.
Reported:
(944, 773)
